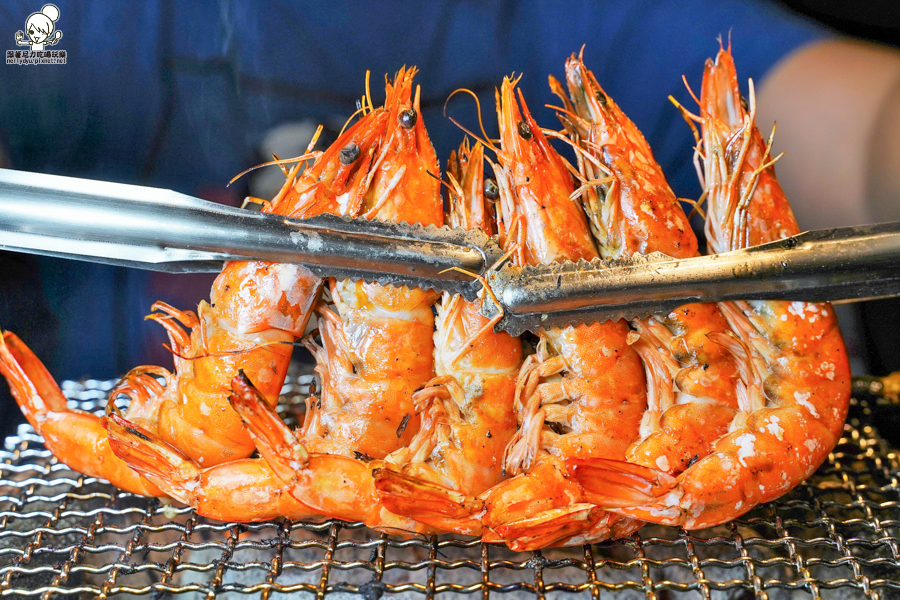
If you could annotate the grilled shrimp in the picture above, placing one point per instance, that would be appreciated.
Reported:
(466, 410)
(256, 311)
(632, 210)
(582, 394)
(794, 382)
(244, 490)
(337, 174)
(376, 346)
(77, 438)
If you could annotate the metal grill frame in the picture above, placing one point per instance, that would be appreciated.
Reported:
(66, 535)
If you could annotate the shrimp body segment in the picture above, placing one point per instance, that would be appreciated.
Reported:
(794, 382)
(256, 312)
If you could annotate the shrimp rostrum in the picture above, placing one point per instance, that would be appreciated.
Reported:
(793, 383)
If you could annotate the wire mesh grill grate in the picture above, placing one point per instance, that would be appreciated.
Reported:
(66, 535)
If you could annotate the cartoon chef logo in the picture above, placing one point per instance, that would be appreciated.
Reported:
(40, 33)
(40, 28)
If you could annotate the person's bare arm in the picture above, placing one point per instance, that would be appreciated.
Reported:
(837, 104)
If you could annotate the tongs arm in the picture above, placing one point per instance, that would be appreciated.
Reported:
(163, 230)
(850, 263)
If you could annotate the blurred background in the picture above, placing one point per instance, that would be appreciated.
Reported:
(186, 95)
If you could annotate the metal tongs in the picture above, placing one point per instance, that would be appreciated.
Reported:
(161, 230)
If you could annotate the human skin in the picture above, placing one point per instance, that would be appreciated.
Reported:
(837, 105)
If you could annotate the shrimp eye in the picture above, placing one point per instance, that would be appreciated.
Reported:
(408, 118)
(524, 130)
(491, 191)
(744, 104)
(601, 97)
(349, 153)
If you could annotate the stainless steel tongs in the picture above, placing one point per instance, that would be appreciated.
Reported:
(162, 230)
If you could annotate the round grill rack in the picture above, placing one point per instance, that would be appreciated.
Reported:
(64, 535)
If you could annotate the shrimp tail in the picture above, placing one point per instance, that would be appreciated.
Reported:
(619, 484)
(29, 381)
(77, 438)
(274, 440)
(416, 498)
(431, 504)
(156, 460)
(555, 527)
(245, 490)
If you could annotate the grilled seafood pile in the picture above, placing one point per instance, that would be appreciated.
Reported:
(426, 420)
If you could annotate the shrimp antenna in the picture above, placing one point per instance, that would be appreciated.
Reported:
(690, 90)
(487, 139)
(441, 181)
(768, 151)
(697, 205)
(490, 324)
(309, 147)
(369, 92)
(484, 143)
(226, 352)
(572, 170)
(280, 166)
(589, 184)
(567, 113)
(314, 138)
(722, 43)
(285, 161)
(578, 153)
(765, 166)
(578, 149)
(689, 118)
(457, 203)
(752, 92)
(360, 109)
